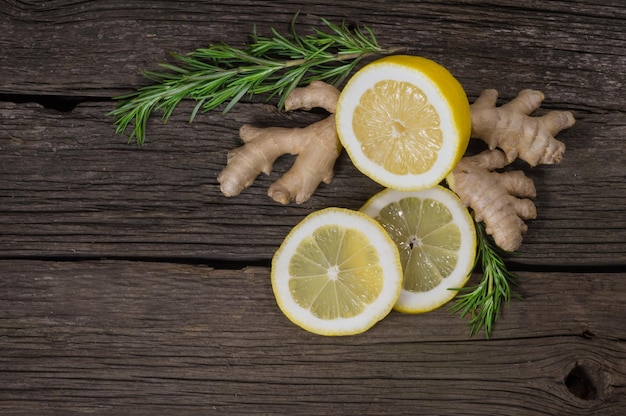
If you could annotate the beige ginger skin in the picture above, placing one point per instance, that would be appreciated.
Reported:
(510, 128)
(316, 145)
(500, 200)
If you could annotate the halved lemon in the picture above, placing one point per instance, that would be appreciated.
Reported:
(336, 273)
(436, 238)
(404, 121)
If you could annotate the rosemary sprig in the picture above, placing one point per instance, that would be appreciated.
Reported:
(268, 65)
(483, 302)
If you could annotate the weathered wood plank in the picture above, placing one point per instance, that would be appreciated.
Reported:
(116, 337)
(112, 200)
(70, 188)
(572, 50)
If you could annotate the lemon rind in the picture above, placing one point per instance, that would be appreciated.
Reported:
(390, 264)
(455, 122)
(420, 302)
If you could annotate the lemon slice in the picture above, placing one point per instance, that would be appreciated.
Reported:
(436, 238)
(404, 121)
(336, 273)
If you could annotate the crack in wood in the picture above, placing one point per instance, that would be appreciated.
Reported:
(61, 103)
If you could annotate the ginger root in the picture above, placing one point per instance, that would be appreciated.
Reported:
(500, 200)
(510, 128)
(316, 146)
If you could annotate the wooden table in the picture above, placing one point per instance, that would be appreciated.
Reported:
(130, 286)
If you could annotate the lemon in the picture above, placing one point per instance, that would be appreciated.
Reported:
(436, 238)
(336, 273)
(404, 121)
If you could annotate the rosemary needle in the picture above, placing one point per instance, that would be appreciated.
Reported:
(267, 65)
(483, 302)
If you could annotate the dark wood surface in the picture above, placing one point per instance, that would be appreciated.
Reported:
(130, 285)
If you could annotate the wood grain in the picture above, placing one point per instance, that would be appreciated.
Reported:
(130, 285)
(70, 187)
(572, 50)
(114, 337)
(83, 193)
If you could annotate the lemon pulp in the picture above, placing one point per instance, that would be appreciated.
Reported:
(427, 237)
(335, 273)
(398, 127)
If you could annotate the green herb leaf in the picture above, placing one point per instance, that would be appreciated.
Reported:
(224, 74)
(484, 301)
